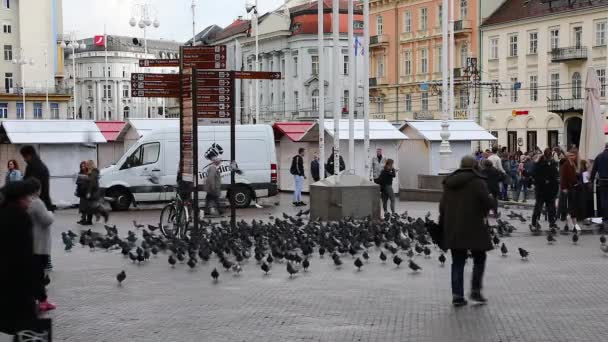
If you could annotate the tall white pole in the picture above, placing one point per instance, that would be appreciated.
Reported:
(257, 66)
(444, 149)
(105, 48)
(46, 81)
(23, 81)
(352, 88)
(452, 51)
(145, 57)
(74, 80)
(321, 100)
(366, 53)
(335, 24)
(193, 23)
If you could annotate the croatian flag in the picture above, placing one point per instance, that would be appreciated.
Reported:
(359, 45)
(100, 40)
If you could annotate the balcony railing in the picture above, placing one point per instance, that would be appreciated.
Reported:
(376, 81)
(565, 105)
(571, 53)
(378, 39)
(373, 82)
(462, 25)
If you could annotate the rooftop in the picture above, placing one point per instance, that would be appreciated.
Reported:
(514, 10)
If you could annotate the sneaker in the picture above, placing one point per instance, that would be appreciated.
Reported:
(302, 204)
(46, 306)
(477, 297)
(459, 301)
(295, 204)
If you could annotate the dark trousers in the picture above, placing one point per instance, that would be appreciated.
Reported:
(603, 205)
(549, 202)
(459, 257)
(40, 262)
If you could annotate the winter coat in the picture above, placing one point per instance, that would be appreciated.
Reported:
(297, 166)
(82, 187)
(36, 169)
(464, 205)
(377, 166)
(17, 269)
(93, 191)
(567, 176)
(546, 177)
(600, 169)
(42, 220)
(213, 182)
(314, 170)
(329, 167)
(13, 176)
(492, 177)
(385, 178)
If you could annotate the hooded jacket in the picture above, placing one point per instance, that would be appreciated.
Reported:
(464, 205)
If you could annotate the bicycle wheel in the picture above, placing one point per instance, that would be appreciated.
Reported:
(183, 221)
(168, 225)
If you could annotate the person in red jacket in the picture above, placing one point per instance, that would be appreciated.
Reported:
(569, 186)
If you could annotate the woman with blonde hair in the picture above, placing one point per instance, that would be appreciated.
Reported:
(94, 195)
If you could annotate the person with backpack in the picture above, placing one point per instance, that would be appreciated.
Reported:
(297, 170)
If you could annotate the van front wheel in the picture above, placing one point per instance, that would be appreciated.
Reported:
(241, 197)
(121, 199)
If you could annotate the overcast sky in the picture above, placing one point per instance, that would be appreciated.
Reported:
(87, 17)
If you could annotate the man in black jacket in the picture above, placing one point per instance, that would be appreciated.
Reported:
(600, 170)
(329, 167)
(36, 169)
(297, 170)
(314, 168)
(546, 183)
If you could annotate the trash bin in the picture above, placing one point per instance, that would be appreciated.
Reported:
(336, 197)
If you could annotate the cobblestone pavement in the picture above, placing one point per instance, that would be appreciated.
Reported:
(558, 295)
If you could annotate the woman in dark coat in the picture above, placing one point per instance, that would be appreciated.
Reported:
(17, 271)
(94, 195)
(385, 180)
(463, 209)
(82, 184)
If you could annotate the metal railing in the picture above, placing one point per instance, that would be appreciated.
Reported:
(373, 40)
(569, 53)
(565, 105)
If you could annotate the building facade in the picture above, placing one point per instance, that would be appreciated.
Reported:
(536, 56)
(31, 62)
(106, 94)
(406, 51)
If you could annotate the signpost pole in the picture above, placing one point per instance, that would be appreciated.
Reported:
(232, 152)
(195, 201)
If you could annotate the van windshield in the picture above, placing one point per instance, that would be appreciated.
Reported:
(144, 155)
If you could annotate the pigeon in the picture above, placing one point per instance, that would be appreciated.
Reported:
(121, 277)
(365, 256)
(236, 268)
(358, 264)
(305, 264)
(495, 240)
(604, 249)
(215, 274)
(523, 253)
(575, 238)
(550, 239)
(226, 264)
(154, 250)
(337, 261)
(152, 228)
(265, 268)
(68, 244)
(414, 267)
(504, 250)
(442, 259)
(71, 234)
(383, 257)
(137, 226)
(269, 259)
(321, 251)
(181, 257)
(427, 252)
(172, 260)
(410, 253)
(603, 239)
(191, 263)
(397, 260)
(291, 270)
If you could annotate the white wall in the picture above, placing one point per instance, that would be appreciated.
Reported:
(109, 153)
(413, 161)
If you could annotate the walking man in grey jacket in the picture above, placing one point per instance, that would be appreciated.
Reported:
(378, 163)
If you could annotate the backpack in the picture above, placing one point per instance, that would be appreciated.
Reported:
(294, 166)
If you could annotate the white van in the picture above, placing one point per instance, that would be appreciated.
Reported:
(147, 172)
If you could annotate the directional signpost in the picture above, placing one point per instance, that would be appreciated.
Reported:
(158, 63)
(155, 85)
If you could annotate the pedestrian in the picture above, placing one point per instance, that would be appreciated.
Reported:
(493, 178)
(297, 170)
(546, 186)
(513, 169)
(42, 219)
(495, 159)
(94, 195)
(463, 210)
(329, 167)
(17, 288)
(82, 184)
(37, 169)
(599, 171)
(213, 187)
(569, 187)
(506, 180)
(385, 180)
(13, 174)
(523, 179)
(378, 164)
(586, 191)
(314, 168)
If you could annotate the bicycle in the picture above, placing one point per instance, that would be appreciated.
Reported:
(175, 217)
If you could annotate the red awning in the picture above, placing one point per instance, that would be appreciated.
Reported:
(293, 130)
(110, 129)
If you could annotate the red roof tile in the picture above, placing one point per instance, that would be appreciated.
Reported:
(237, 26)
(110, 129)
(293, 130)
(514, 10)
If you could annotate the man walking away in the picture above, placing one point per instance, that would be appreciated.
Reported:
(546, 185)
(463, 210)
(493, 178)
(297, 170)
(213, 186)
(600, 171)
(314, 168)
(37, 169)
(378, 163)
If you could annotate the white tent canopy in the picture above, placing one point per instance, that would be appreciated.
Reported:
(460, 130)
(378, 130)
(52, 132)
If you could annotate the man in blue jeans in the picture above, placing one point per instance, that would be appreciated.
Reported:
(600, 170)
(297, 170)
(463, 209)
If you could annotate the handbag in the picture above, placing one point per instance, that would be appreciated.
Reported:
(436, 232)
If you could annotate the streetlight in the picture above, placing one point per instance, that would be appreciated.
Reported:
(254, 7)
(23, 61)
(74, 45)
(142, 18)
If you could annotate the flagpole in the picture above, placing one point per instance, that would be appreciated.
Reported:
(321, 100)
(366, 88)
(352, 85)
(335, 24)
(105, 47)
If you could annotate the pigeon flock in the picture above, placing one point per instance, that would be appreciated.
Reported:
(290, 240)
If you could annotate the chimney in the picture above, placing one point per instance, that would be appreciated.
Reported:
(240, 17)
